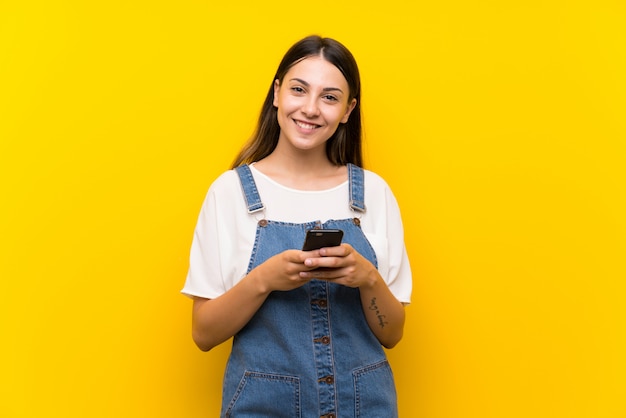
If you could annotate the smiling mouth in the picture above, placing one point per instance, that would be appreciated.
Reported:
(305, 125)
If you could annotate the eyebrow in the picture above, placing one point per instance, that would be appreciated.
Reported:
(299, 80)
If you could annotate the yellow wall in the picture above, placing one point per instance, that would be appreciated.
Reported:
(500, 126)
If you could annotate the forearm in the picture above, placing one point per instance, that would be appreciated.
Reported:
(216, 320)
(384, 313)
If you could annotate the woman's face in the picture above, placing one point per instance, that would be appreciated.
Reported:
(312, 101)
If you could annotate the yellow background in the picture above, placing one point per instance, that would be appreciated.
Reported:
(499, 125)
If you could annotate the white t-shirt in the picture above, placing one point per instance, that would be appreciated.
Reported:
(225, 232)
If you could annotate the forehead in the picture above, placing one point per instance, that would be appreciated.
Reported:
(317, 71)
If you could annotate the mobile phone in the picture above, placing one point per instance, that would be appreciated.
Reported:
(318, 238)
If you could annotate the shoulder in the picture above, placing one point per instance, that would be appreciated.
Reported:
(374, 180)
(378, 194)
(227, 182)
(224, 193)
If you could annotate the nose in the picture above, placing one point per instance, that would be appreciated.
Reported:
(310, 107)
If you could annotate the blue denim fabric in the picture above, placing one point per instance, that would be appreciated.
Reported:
(308, 352)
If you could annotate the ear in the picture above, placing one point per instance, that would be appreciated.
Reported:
(349, 110)
(276, 90)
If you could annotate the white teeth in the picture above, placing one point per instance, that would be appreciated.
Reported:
(305, 125)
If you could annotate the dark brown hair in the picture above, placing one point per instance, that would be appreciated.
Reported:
(344, 146)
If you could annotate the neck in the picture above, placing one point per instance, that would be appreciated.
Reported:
(307, 171)
(300, 160)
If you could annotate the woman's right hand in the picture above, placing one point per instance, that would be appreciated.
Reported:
(216, 320)
(282, 271)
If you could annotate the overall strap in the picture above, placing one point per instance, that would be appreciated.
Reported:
(250, 192)
(357, 187)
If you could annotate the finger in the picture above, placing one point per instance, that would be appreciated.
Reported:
(312, 253)
(315, 263)
(339, 251)
(331, 262)
(322, 274)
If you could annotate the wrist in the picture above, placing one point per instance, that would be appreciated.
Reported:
(373, 279)
(255, 280)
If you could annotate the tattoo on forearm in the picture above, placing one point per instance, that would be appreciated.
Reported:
(379, 315)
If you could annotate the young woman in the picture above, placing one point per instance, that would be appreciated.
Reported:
(308, 326)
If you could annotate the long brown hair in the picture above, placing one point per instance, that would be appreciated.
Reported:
(344, 146)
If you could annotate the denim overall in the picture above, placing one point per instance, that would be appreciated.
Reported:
(308, 352)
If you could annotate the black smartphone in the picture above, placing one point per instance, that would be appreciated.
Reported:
(318, 238)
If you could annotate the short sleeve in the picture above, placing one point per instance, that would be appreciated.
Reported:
(222, 240)
(382, 224)
(204, 274)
